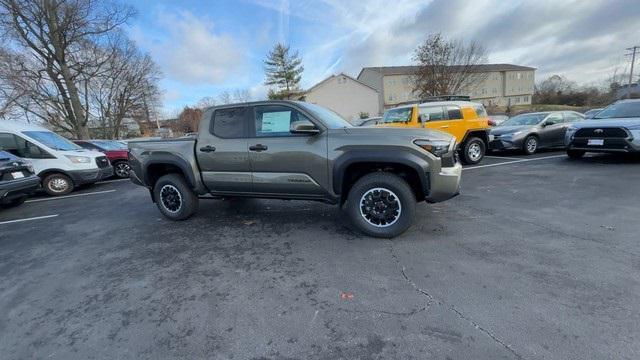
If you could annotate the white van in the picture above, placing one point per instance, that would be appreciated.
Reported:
(60, 164)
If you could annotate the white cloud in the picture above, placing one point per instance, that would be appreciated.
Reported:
(194, 53)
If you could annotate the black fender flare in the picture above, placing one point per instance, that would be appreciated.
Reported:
(482, 133)
(391, 156)
(170, 159)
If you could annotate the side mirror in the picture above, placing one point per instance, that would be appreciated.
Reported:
(303, 127)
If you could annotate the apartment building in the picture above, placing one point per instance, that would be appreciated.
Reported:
(503, 84)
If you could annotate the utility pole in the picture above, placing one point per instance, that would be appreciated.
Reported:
(633, 61)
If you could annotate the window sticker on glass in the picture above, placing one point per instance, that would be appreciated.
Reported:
(276, 122)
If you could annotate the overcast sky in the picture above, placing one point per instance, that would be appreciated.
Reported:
(205, 47)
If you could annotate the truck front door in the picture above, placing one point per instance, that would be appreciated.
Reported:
(222, 151)
(283, 162)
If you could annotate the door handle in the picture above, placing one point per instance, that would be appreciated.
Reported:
(258, 147)
(208, 148)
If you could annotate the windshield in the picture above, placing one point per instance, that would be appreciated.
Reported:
(397, 115)
(524, 119)
(620, 110)
(52, 140)
(328, 117)
(109, 145)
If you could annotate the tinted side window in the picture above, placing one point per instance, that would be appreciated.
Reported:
(229, 123)
(21, 147)
(554, 119)
(454, 112)
(435, 112)
(571, 117)
(481, 111)
(276, 120)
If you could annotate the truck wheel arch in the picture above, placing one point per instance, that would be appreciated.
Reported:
(351, 166)
(168, 165)
(483, 134)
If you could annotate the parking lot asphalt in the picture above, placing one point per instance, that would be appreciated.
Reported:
(538, 258)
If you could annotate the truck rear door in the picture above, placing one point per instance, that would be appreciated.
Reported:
(222, 151)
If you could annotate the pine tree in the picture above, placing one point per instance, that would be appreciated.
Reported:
(283, 71)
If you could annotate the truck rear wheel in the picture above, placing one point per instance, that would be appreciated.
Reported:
(381, 205)
(174, 197)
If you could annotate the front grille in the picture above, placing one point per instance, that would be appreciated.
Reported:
(602, 133)
(610, 143)
(102, 162)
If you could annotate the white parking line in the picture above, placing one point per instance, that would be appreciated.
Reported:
(502, 157)
(513, 162)
(28, 219)
(111, 181)
(70, 196)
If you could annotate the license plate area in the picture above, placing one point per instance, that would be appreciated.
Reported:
(595, 142)
(17, 175)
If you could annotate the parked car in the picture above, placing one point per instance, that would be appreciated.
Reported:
(466, 121)
(17, 180)
(589, 114)
(496, 120)
(116, 152)
(533, 131)
(299, 150)
(60, 164)
(615, 129)
(372, 121)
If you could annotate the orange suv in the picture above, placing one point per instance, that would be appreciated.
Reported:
(465, 120)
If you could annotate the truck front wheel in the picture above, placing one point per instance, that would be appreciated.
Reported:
(473, 151)
(174, 197)
(381, 205)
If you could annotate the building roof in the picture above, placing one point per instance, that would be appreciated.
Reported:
(412, 69)
(336, 75)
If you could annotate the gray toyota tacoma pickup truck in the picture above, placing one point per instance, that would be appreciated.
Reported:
(298, 150)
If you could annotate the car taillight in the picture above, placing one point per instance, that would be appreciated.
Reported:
(491, 122)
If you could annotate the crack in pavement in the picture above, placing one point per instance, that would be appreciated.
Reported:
(433, 299)
(408, 313)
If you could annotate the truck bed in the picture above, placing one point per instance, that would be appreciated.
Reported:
(177, 152)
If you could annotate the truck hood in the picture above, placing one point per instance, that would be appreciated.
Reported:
(385, 132)
(629, 123)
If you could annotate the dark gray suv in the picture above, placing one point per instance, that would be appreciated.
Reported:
(297, 150)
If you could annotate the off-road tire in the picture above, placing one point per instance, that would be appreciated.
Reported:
(392, 184)
(120, 173)
(575, 154)
(469, 148)
(174, 198)
(57, 184)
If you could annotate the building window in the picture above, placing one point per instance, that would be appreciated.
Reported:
(526, 98)
(494, 90)
(519, 76)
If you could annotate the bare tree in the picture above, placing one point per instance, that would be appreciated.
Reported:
(206, 102)
(188, 120)
(448, 66)
(225, 97)
(53, 37)
(241, 95)
(125, 87)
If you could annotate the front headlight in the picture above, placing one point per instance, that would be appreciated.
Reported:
(436, 147)
(636, 136)
(79, 159)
